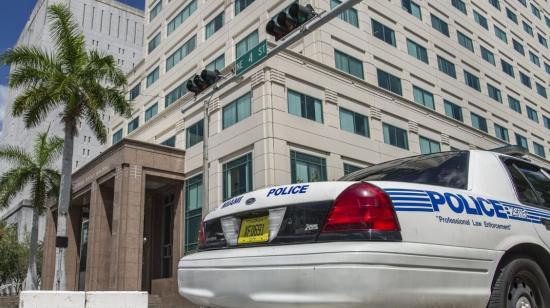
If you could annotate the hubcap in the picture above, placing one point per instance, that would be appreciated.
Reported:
(521, 294)
(523, 302)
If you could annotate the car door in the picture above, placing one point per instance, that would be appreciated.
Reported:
(532, 185)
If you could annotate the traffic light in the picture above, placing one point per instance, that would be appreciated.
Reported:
(289, 19)
(201, 82)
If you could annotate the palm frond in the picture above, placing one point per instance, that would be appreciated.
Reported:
(104, 68)
(67, 36)
(116, 99)
(27, 76)
(12, 182)
(34, 104)
(15, 156)
(29, 56)
(94, 121)
(39, 194)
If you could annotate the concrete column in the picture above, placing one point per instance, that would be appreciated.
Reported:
(72, 252)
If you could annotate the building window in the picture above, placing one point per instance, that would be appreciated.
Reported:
(349, 64)
(525, 80)
(546, 121)
(495, 3)
(175, 94)
(247, 43)
(217, 64)
(181, 53)
(132, 125)
(154, 43)
(472, 80)
(481, 20)
(428, 146)
(465, 41)
(117, 136)
(153, 76)
(446, 66)
(237, 176)
(512, 16)
(501, 34)
(181, 17)
(193, 212)
(459, 5)
(547, 68)
(214, 25)
(416, 50)
(542, 40)
(305, 106)
(514, 104)
(151, 111)
(541, 90)
(523, 2)
(502, 133)
(354, 122)
(348, 168)
(155, 10)
(479, 122)
(423, 97)
(194, 133)
(170, 142)
(518, 47)
(240, 5)
(395, 136)
(237, 110)
(534, 58)
(453, 110)
(350, 15)
(135, 92)
(487, 55)
(522, 141)
(527, 28)
(532, 114)
(413, 8)
(539, 149)
(535, 11)
(307, 168)
(507, 68)
(494, 93)
(383, 32)
(440, 25)
(389, 82)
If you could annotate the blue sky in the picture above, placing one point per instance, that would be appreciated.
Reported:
(13, 16)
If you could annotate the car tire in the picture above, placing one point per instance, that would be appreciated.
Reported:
(520, 283)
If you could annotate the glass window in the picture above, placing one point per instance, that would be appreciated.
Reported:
(546, 121)
(542, 40)
(175, 94)
(522, 141)
(472, 80)
(155, 10)
(153, 76)
(541, 90)
(413, 8)
(214, 25)
(117, 136)
(154, 43)
(494, 93)
(514, 104)
(305, 106)
(525, 80)
(507, 68)
(495, 3)
(534, 58)
(193, 212)
(535, 10)
(423, 97)
(481, 20)
(237, 176)
(501, 34)
(547, 68)
(350, 15)
(132, 125)
(524, 190)
(487, 55)
(539, 149)
(538, 181)
(428, 146)
(237, 110)
(446, 66)
(416, 50)
(527, 28)
(151, 111)
(348, 168)
(217, 64)
(247, 43)
(349, 64)
(354, 122)
(194, 134)
(518, 47)
(389, 82)
(170, 142)
(395, 136)
(547, 20)
(383, 32)
(307, 168)
(501, 133)
(453, 110)
(465, 41)
(511, 15)
(459, 5)
(447, 169)
(134, 92)
(181, 53)
(181, 17)
(479, 122)
(240, 5)
(532, 114)
(440, 25)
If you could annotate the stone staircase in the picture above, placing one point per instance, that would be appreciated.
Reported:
(155, 301)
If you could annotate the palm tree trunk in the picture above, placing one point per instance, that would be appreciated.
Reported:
(63, 204)
(31, 281)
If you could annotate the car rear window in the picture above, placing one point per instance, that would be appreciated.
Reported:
(531, 183)
(449, 169)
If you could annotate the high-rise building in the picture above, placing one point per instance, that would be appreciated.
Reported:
(109, 26)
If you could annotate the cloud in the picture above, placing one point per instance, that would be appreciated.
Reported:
(3, 103)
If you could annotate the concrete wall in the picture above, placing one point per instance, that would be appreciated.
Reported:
(66, 299)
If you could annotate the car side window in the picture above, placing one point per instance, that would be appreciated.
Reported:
(532, 184)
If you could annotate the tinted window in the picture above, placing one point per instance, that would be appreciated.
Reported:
(449, 169)
(532, 185)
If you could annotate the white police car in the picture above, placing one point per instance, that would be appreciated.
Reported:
(453, 229)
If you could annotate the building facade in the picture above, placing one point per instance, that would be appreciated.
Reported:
(108, 26)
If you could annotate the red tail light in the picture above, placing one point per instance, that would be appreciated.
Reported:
(202, 236)
(362, 207)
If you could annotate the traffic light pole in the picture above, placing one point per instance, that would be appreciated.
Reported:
(285, 42)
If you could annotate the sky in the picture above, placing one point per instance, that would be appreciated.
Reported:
(13, 16)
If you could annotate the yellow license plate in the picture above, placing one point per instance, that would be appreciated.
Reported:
(254, 230)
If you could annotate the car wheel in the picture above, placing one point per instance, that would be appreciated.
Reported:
(520, 284)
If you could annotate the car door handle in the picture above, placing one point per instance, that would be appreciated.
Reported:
(546, 222)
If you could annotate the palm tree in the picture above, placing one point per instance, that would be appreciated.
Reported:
(77, 82)
(32, 170)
